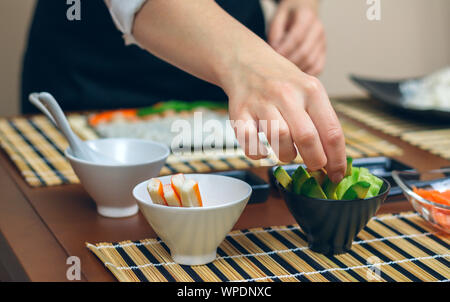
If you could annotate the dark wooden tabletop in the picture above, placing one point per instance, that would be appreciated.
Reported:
(41, 227)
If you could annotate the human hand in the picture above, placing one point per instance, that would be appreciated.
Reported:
(297, 111)
(297, 33)
(261, 85)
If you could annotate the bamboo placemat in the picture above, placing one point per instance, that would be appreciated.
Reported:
(433, 138)
(36, 148)
(401, 247)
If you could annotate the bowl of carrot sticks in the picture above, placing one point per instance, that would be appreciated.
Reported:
(192, 213)
(429, 194)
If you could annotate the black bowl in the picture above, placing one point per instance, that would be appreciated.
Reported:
(331, 225)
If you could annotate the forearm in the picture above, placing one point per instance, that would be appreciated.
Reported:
(198, 37)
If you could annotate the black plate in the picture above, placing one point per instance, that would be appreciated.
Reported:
(389, 93)
(379, 166)
(260, 188)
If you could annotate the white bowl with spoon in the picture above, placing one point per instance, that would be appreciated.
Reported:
(110, 185)
(45, 102)
(107, 168)
(194, 233)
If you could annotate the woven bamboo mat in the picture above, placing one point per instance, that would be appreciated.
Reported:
(433, 138)
(400, 247)
(36, 148)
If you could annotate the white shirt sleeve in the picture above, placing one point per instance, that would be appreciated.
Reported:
(122, 13)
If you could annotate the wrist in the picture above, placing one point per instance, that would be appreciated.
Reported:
(247, 63)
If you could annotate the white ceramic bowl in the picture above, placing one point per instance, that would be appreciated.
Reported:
(193, 234)
(110, 185)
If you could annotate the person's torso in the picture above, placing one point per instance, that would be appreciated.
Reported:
(86, 65)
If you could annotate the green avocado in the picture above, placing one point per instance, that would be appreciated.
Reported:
(298, 178)
(376, 186)
(347, 182)
(319, 175)
(348, 172)
(283, 177)
(329, 188)
(357, 191)
(375, 182)
(355, 174)
(343, 186)
(312, 189)
(358, 183)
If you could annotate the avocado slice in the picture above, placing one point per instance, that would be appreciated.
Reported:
(336, 191)
(355, 174)
(343, 186)
(375, 182)
(312, 189)
(348, 172)
(283, 177)
(298, 178)
(357, 191)
(375, 187)
(329, 188)
(347, 182)
(364, 171)
(319, 175)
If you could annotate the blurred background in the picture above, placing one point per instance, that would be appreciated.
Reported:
(412, 38)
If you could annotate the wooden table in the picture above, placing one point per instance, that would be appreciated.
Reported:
(41, 227)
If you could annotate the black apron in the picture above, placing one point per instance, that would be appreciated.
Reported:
(86, 65)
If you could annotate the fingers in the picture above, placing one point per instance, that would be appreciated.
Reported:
(301, 23)
(314, 61)
(297, 117)
(303, 132)
(318, 66)
(304, 42)
(329, 129)
(277, 132)
(246, 131)
(312, 43)
(278, 27)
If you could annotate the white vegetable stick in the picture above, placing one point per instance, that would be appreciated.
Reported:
(177, 181)
(190, 194)
(155, 189)
(170, 196)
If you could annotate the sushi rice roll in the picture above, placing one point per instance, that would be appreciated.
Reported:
(155, 189)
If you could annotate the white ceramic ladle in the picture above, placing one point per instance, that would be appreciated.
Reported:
(45, 102)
